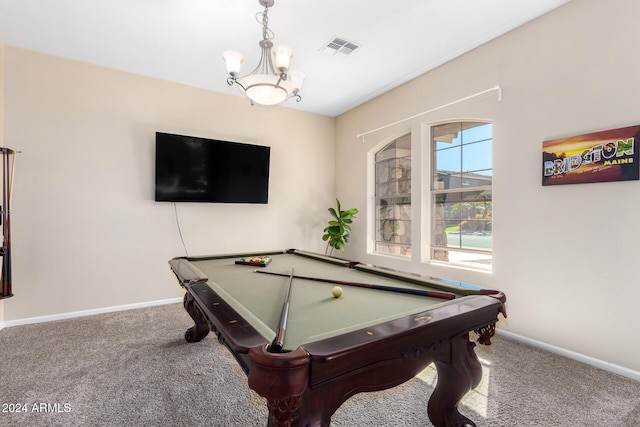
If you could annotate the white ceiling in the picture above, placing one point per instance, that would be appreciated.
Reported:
(183, 40)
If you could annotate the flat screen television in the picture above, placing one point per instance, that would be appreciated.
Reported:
(193, 169)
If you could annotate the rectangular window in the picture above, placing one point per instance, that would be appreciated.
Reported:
(461, 193)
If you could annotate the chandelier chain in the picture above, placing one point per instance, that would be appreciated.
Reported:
(263, 18)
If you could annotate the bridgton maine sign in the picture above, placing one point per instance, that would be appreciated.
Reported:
(610, 155)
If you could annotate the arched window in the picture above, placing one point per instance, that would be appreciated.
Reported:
(462, 222)
(393, 197)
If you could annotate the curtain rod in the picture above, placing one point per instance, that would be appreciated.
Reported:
(496, 87)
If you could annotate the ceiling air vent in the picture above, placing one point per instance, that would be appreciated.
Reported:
(338, 47)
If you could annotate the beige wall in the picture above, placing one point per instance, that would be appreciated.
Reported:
(565, 256)
(86, 231)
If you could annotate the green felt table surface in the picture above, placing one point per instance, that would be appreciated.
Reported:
(314, 313)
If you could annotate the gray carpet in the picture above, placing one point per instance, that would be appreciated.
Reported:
(134, 368)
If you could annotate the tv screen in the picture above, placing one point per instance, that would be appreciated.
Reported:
(192, 169)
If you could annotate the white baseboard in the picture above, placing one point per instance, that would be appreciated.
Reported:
(62, 316)
(601, 364)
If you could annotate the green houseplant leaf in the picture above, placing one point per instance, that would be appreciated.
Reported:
(336, 234)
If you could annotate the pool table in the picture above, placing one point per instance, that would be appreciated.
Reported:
(365, 340)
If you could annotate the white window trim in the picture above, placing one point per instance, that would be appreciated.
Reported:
(426, 201)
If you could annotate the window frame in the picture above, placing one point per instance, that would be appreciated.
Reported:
(430, 196)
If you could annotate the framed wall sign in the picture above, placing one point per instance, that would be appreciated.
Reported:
(610, 155)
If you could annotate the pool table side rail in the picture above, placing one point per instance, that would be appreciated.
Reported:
(324, 258)
(186, 272)
(233, 255)
(230, 327)
(459, 288)
(404, 338)
(313, 255)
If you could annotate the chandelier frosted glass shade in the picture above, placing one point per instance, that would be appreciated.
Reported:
(233, 60)
(267, 84)
(266, 89)
(283, 56)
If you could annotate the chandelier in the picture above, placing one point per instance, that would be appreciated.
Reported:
(267, 84)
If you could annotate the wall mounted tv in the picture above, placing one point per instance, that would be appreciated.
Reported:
(192, 169)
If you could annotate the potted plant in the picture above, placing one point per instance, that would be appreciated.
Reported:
(336, 234)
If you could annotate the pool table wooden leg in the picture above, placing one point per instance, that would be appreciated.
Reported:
(282, 412)
(201, 327)
(459, 371)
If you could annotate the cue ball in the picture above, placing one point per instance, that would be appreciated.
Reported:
(336, 291)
